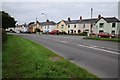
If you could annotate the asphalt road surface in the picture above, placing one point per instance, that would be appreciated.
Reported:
(98, 57)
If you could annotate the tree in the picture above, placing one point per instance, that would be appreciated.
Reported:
(6, 20)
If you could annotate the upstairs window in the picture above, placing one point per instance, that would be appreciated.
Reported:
(62, 26)
(83, 25)
(74, 26)
(101, 25)
(113, 24)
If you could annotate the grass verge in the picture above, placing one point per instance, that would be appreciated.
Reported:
(23, 58)
(103, 39)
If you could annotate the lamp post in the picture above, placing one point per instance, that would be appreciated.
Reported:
(91, 22)
(45, 15)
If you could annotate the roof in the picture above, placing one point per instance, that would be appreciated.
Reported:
(63, 21)
(48, 23)
(72, 21)
(109, 19)
(88, 20)
(94, 20)
(69, 22)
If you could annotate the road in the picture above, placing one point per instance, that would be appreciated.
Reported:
(98, 57)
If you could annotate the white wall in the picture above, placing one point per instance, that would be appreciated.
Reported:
(48, 28)
(107, 27)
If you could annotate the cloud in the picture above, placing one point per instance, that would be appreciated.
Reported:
(24, 12)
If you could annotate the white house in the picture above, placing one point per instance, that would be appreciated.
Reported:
(48, 26)
(80, 25)
(21, 28)
(110, 25)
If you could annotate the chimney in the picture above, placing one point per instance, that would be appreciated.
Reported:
(80, 18)
(69, 19)
(47, 20)
(99, 16)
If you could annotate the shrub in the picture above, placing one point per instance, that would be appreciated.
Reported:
(37, 30)
(63, 32)
(83, 34)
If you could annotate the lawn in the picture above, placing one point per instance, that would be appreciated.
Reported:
(103, 39)
(23, 58)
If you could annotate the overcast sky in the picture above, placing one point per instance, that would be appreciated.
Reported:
(25, 12)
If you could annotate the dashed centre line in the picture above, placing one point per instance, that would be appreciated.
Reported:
(94, 47)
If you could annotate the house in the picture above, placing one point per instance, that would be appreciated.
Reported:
(33, 25)
(76, 26)
(85, 25)
(21, 28)
(110, 25)
(48, 26)
(62, 26)
(73, 27)
(99, 24)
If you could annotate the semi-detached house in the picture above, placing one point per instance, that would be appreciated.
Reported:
(110, 25)
(48, 26)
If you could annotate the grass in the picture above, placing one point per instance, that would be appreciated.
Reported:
(23, 58)
(103, 39)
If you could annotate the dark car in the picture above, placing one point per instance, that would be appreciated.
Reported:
(106, 35)
(54, 32)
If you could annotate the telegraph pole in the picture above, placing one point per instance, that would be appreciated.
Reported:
(91, 21)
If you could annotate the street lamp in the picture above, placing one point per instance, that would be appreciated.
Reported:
(45, 15)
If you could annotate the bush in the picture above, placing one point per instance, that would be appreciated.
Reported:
(63, 32)
(37, 30)
(4, 36)
(83, 34)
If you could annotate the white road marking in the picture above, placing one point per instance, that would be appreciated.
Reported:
(63, 41)
(94, 47)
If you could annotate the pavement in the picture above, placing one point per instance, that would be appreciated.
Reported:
(98, 57)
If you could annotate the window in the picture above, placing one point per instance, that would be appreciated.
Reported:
(68, 26)
(74, 26)
(101, 25)
(68, 31)
(101, 31)
(87, 30)
(74, 31)
(83, 25)
(62, 26)
(112, 32)
(79, 31)
(71, 31)
(113, 24)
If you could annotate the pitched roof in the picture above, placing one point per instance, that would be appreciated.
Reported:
(47, 23)
(84, 21)
(69, 22)
(111, 19)
(63, 21)
(72, 21)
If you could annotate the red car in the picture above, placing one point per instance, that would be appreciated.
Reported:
(106, 35)
(54, 32)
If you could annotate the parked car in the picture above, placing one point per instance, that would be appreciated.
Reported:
(54, 32)
(106, 35)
